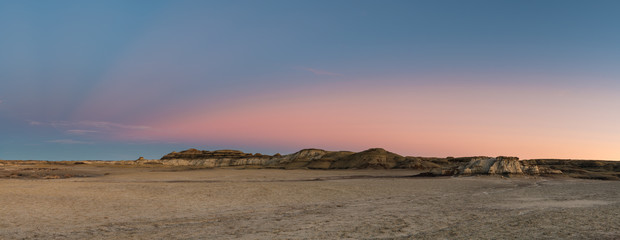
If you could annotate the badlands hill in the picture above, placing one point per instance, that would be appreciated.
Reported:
(378, 158)
(374, 158)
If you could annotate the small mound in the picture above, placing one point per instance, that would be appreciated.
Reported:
(308, 158)
(417, 163)
(377, 158)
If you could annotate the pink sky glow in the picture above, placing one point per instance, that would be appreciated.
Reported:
(423, 120)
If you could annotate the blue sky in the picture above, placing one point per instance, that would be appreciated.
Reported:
(115, 79)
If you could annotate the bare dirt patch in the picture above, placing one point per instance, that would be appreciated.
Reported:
(137, 203)
(43, 173)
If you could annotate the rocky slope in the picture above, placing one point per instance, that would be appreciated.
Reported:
(375, 158)
(197, 154)
(308, 158)
(586, 169)
(210, 159)
(495, 166)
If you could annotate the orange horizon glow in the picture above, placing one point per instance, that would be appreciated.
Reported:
(426, 121)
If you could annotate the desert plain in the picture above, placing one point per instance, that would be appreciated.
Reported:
(90, 201)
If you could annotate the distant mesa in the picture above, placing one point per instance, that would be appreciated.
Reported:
(374, 158)
(378, 158)
(193, 153)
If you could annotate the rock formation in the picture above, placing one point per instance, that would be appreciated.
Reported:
(377, 158)
(197, 154)
(219, 158)
(374, 158)
(308, 158)
(500, 165)
(586, 169)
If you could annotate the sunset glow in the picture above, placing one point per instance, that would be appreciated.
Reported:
(77, 81)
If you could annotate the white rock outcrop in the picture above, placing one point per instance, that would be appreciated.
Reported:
(502, 165)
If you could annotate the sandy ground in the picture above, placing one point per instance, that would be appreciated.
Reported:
(150, 203)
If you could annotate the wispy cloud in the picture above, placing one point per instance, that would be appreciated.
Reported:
(91, 130)
(322, 72)
(88, 124)
(80, 131)
(35, 123)
(108, 125)
(69, 141)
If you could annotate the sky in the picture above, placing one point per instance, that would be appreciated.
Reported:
(116, 80)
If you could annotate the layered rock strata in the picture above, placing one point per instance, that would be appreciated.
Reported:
(211, 159)
(374, 158)
(495, 166)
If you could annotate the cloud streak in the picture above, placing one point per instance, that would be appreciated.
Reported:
(80, 131)
(88, 124)
(69, 141)
(93, 130)
(35, 123)
(110, 125)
